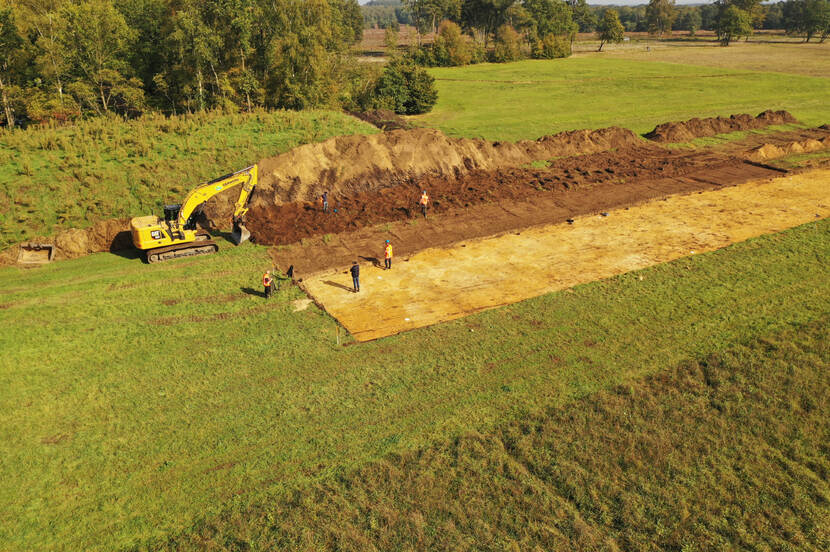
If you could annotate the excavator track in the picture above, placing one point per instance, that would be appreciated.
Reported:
(203, 245)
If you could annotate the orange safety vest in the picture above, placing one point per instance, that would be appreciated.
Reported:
(266, 280)
(389, 251)
(424, 199)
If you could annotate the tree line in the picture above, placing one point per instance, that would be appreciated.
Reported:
(728, 18)
(63, 59)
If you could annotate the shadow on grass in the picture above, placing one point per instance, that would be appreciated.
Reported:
(252, 291)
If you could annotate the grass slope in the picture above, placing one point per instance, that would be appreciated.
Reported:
(137, 399)
(70, 177)
(529, 99)
(726, 452)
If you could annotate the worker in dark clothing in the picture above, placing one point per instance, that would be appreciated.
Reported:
(355, 270)
(267, 283)
(325, 199)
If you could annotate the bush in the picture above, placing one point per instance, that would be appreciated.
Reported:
(405, 88)
(551, 47)
(450, 47)
(508, 45)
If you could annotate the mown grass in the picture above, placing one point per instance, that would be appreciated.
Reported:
(72, 176)
(138, 399)
(728, 451)
(533, 98)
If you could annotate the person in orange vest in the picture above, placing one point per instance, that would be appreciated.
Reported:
(267, 283)
(387, 256)
(424, 202)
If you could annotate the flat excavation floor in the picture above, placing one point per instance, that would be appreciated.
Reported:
(442, 284)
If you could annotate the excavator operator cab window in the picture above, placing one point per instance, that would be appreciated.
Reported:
(171, 212)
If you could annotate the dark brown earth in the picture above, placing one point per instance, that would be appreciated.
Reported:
(383, 119)
(487, 203)
(684, 131)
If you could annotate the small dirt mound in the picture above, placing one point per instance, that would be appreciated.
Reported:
(685, 131)
(765, 152)
(105, 235)
(347, 165)
(384, 119)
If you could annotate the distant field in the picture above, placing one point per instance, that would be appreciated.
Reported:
(139, 398)
(69, 177)
(532, 98)
(768, 54)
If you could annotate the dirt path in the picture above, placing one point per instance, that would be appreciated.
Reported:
(442, 284)
(487, 203)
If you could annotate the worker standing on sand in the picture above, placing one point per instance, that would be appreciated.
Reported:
(267, 283)
(424, 202)
(387, 256)
(355, 270)
(325, 198)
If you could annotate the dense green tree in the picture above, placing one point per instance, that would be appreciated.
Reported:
(405, 88)
(508, 45)
(11, 44)
(583, 15)
(610, 29)
(551, 17)
(733, 23)
(807, 17)
(485, 16)
(450, 47)
(660, 15)
(96, 42)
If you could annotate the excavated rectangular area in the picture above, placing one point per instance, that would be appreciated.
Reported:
(441, 284)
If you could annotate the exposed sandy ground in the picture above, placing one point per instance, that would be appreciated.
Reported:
(442, 284)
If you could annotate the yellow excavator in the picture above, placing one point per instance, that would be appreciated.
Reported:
(176, 234)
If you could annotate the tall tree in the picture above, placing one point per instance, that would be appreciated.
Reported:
(660, 15)
(485, 16)
(733, 23)
(610, 29)
(10, 45)
(97, 42)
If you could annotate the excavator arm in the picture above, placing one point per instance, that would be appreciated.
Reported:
(246, 177)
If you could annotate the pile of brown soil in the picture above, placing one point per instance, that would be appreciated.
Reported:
(105, 235)
(774, 151)
(685, 131)
(351, 164)
(290, 222)
(384, 119)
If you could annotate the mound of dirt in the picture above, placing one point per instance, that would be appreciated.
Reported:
(384, 119)
(774, 151)
(105, 235)
(685, 131)
(347, 165)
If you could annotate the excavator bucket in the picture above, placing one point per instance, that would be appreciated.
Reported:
(240, 234)
(35, 253)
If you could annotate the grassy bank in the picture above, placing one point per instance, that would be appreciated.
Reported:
(532, 98)
(725, 452)
(139, 398)
(69, 177)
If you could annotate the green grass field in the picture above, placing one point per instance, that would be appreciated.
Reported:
(533, 98)
(140, 399)
(728, 451)
(72, 176)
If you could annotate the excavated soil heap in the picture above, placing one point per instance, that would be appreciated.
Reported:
(351, 164)
(774, 151)
(105, 235)
(384, 119)
(290, 222)
(685, 131)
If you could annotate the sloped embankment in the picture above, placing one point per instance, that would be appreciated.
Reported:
(105, 235)
(353, 164)
(684, 131)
